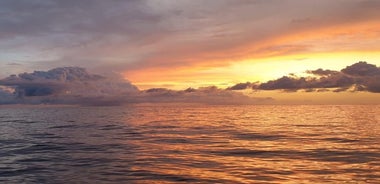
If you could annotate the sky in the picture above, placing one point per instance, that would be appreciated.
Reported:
(194, 43)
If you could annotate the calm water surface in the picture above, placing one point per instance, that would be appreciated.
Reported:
(190, 144)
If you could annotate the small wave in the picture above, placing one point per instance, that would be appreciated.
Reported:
(63, 126)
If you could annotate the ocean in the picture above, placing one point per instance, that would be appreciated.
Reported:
(177, 143)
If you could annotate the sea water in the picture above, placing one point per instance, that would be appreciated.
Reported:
(177, 143)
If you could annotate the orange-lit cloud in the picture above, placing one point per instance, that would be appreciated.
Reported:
(331, 45)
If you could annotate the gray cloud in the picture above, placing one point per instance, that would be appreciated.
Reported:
(208, 95)
(322, 72)
(372, 85)
(242, 86)
(129, 35)
(68, 80)
(7, 95)
(360, 76)
(291, 83)
(14, 64)
(362, 69)
(64, 85)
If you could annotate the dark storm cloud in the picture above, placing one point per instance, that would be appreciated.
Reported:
(360, 76)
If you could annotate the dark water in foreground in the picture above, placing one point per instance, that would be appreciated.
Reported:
(190, 144)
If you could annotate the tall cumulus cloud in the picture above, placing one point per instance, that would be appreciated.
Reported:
(63, 85)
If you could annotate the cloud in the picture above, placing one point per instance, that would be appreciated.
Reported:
(360, 76)
(242, 86)
(66, 80)
(208, 95)
(373, 85)
(7, 95)
(65, 85)
(14, 64)
(74, 85)
(361, 69)
(322, 72)
(136, 35)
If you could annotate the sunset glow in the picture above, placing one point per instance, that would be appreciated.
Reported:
(189, 91)
(255, 69)
(185, 44)
(335, 46)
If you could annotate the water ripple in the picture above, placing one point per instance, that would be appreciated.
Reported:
(196, 144)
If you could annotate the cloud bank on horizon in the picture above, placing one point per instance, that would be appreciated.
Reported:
(360, 76)
(74, 85)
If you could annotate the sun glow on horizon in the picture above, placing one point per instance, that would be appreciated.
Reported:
(296, 51)
(191, 44)
(250, 70)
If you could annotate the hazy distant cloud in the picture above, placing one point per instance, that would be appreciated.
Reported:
(14, 64)
(360, 76)
(208, 95)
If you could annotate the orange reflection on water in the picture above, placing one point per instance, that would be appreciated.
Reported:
(245, 144)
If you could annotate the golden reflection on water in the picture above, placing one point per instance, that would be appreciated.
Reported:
(286, 144)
